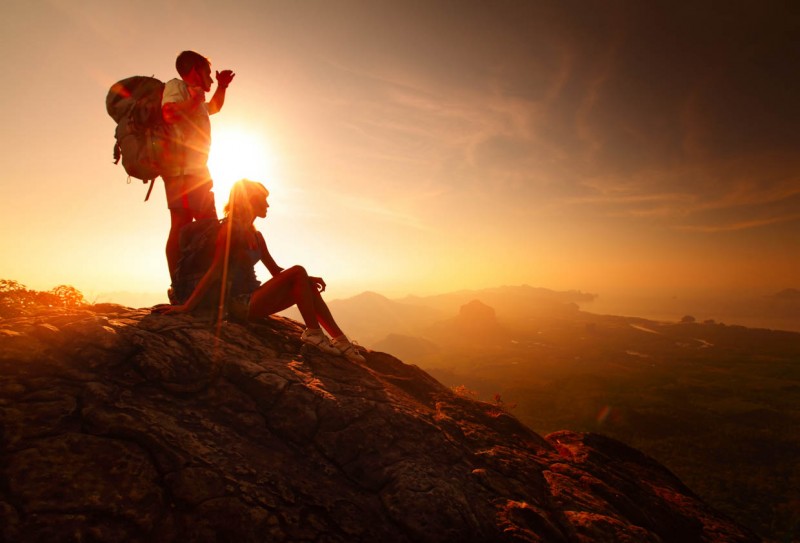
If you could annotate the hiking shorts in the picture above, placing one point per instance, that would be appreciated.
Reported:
(191, 191)
(239, 307)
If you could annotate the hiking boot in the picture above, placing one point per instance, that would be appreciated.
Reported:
(349, 350)
(318, 339)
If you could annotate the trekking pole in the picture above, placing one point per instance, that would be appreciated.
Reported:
(224, 282)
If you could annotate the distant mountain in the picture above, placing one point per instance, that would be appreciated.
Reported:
(411, 348)
(509, 302)
(478, 313)
(787, 294)
(475, 329)
(370, 317)
(779, 310)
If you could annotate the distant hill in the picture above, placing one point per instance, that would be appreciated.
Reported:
(778, 311)
(412, 348)
(474, 328)
(370, 317)
(792, 294)
(509, 302)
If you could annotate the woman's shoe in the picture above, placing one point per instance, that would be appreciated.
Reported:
(349, 350)
(318, 339)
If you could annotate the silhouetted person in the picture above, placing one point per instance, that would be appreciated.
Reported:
(188, 182)
(248, 298)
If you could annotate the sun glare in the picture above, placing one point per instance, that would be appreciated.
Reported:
(238, 153)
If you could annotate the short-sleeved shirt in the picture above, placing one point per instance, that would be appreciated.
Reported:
(244, 255)
(192, 132)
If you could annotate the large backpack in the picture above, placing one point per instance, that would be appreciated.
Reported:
(143, 138)
(197, 246)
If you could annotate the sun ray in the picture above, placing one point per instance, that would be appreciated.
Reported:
(237, 153)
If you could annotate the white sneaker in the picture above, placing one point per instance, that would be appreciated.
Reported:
(349, 350)
(318, 339)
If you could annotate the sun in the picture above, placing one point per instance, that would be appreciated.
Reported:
(237, 153)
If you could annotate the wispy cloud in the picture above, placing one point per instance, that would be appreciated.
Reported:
(579, 122)
(738, 225)
(382, 211)
(714, 196)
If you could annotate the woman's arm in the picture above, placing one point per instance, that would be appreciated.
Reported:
(266, 258)
(274, 269)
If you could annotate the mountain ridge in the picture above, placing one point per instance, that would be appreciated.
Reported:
(118, 424)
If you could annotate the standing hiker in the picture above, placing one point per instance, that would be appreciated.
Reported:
(188, 182)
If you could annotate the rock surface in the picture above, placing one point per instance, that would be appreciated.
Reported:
(121, 425)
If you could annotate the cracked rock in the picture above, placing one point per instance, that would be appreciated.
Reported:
(121, 425)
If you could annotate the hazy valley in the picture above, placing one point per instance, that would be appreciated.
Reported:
(716, 403)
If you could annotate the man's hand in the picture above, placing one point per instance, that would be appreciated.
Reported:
(224, 78)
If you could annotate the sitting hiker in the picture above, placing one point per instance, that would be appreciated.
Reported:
(245, 246)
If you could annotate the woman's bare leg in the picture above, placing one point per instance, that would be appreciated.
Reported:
(286, 289)
(324, 316)
(292, 287)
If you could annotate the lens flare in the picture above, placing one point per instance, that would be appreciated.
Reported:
(238, 153)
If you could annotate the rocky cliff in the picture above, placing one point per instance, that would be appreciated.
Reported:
(121, 425)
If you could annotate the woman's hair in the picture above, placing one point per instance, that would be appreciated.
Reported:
(243, 192)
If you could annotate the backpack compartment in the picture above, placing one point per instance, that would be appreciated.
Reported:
(143, 139)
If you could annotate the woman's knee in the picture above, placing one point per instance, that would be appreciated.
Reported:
(297, 271)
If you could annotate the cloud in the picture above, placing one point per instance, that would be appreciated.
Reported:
(739, 225)
(382, 211)
(601, 112)
(712, 196)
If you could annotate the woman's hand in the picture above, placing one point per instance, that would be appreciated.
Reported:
(171, 309)
(318, 283)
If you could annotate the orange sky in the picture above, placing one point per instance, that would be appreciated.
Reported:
(422, 147)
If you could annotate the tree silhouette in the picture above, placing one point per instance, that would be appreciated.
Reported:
(16, 299)
(69, 296)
